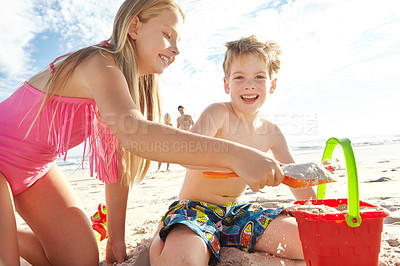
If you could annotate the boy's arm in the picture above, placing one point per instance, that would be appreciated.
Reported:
(303, 193)
(282, 154)
(211, 120)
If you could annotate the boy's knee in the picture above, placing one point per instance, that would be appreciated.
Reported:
(296, 250)
(155, 250)
(159, 255)
(173, 259)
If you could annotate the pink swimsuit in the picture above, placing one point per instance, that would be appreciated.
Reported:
(25, 159)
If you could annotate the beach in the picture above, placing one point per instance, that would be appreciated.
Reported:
(378, 167)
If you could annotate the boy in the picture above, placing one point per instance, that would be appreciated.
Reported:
(208, 214)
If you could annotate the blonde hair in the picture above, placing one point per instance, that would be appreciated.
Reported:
(144, 89)
(268, 51)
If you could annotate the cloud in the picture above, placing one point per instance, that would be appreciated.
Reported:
(332, 34)
(75, 23)
(80, 23)
(18, 26)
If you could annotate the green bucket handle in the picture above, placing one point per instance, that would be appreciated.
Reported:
(353, 217)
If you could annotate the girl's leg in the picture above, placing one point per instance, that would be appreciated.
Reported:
(181, 247)
(60, 227)
(281, 238)
(30, 248)
(9, 254)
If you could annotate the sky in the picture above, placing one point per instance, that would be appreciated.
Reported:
(339, 67)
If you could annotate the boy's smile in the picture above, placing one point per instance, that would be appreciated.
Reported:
(249, 98)
(248, 83)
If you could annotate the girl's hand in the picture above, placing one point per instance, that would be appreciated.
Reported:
(116, 252)
(260, 172)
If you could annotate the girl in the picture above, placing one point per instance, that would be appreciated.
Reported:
(106, 95)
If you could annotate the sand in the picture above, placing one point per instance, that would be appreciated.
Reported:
(379, 182)
(307, 170)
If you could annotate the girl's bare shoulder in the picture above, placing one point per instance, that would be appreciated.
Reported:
(99, 71)
(99, 64)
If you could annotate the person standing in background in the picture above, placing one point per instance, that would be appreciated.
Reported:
(184, 121)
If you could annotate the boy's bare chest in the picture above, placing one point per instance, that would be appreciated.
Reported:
(246, 135)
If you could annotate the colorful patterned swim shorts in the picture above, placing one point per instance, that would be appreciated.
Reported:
(231, 225)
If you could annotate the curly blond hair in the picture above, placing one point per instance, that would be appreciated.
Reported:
(268, 51)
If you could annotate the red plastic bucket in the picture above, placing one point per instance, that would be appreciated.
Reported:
(328, 240)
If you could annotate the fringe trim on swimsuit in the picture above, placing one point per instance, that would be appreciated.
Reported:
(103, 151)
(103, 155)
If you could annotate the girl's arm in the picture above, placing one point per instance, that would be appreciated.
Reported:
(116, 202)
